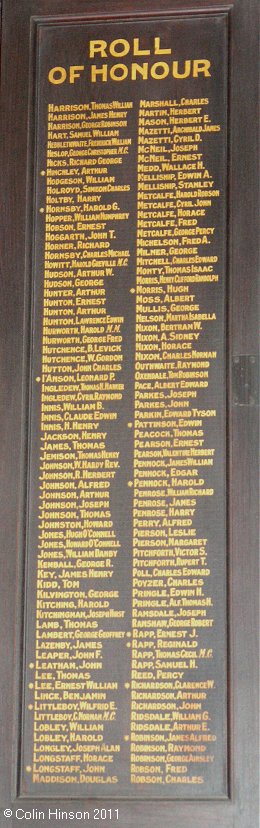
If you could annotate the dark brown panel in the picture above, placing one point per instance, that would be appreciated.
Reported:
(152, 557)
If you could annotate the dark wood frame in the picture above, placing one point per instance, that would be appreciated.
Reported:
(19, 16)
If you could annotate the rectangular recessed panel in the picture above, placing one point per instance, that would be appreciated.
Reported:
(125, 623)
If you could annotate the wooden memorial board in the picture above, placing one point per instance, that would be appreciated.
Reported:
(129, 414)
